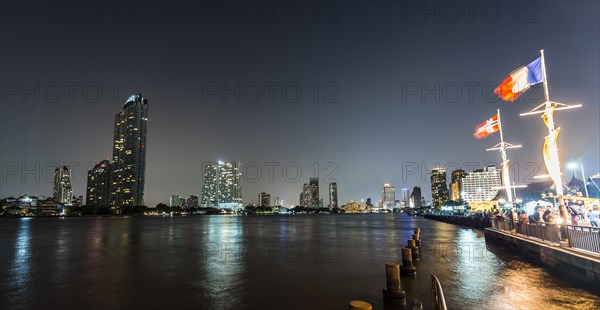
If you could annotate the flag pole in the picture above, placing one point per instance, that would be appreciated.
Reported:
(550, 123)
(545, 78)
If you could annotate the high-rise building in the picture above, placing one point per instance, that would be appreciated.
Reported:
(98, 185)
(129, 153)
(405, 198)
(264, 199)
(388, 196)
(455, 184)
(63, 192)
(222, 185)
(439, 189)
(416, 197)
(313, 193)
(192, 201)
(174, 201)
(481, 184)
(333, 195)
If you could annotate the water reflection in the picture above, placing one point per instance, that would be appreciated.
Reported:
(256, 262)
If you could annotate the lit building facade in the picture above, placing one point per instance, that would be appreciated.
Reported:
(439, 189)
(129, 153)
(222, 185)
(192, 201)
(405, 198)
(98, 185)
(264, 199)
(63, 191)
(174, 201)
(388, 196)
(333, 195)
(481, 184)
(455, 184)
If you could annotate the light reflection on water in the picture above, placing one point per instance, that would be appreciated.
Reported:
(270, 262)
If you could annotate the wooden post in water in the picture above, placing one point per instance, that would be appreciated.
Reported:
(393, 294)
(359, 305)
(412, 244)
(407, 265)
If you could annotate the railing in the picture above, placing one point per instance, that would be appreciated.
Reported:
(584, 237)
(579, 237)
(438, 294)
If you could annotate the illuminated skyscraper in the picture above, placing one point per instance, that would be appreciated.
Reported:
(333, 195)
(439, 189)
(388, 196)
(129, 153)
(63, 192)
(481, 184)
(456, 185)
(405, 198)
(222, 185)
(98, 185)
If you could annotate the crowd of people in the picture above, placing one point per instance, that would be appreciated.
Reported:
(577, 216)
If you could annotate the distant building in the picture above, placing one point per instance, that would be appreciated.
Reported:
(222, 185)
(333, 195)
(416, 197)
(63, 192)
(388, 196)
(439, 189)
(264, 199)
(455, 184)
(98, 185)
(310, 194)
(481, 184)
(405, 202)
(128, 169)
(174, 201)
(192, 201)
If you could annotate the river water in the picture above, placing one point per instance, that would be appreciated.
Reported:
(261, 262)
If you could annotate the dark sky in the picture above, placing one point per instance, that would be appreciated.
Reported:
(370, 61)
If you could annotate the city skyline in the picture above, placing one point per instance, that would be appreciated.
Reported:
(408, 68)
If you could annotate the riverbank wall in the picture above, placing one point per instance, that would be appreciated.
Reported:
(468, 221)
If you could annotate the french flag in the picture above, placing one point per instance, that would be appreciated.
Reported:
(520, 80)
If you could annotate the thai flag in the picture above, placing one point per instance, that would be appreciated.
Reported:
(520, 80)
(487, 128)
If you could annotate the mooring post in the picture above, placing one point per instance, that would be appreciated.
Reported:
(393, 294)
(407, 265)
(359, 305)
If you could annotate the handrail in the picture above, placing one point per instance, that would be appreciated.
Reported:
(438, 294)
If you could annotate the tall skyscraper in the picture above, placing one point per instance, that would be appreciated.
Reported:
(222, 185)
(264, 199)
(313, 191)
(439, 189)
(416, 197)
(388, 196)
(129, 153)
(405, 198)
(333, 195)
(98, 185)
(63, 192)
(456, 185)
(481, 184)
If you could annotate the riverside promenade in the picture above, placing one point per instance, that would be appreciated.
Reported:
(570, 250)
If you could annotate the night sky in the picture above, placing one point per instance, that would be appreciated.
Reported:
(369, 60)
